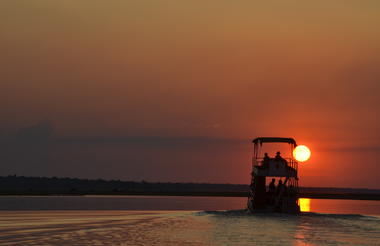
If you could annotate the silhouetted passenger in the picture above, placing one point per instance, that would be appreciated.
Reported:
(285, 190)
(271, 191)
(266, 160)
(278, 156)
(272, 186)
(279, 186)
(292, 191)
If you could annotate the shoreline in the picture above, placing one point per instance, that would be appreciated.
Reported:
(344, 196)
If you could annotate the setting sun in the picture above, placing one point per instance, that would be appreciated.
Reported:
(301, 153)
(304, 204)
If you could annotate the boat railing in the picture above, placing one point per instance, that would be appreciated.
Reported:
(256, 162)
(292, 163)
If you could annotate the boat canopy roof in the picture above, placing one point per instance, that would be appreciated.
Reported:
(274, 140)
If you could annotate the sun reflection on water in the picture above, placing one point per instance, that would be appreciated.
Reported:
(304, 204)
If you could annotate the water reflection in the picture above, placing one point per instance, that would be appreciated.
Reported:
(304, 204)
(176, 228)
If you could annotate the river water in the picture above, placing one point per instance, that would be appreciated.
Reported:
(149, 220)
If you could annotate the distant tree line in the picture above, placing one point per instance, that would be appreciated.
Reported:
(43, 185)
(20, 185)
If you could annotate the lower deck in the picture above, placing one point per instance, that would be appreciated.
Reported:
(282, 197)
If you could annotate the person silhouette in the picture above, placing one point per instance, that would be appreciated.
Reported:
(272, 186)
(278, 156)
(266, 160)
(279, 186)
(272, 191)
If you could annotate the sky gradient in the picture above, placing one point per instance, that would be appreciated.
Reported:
(175, 90)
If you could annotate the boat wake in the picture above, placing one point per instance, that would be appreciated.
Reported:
(245, 212)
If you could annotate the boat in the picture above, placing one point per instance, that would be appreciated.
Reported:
(282, 198)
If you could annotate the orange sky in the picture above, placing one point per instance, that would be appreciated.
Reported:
(197, 71)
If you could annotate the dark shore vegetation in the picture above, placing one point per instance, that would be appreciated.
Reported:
(20, 185)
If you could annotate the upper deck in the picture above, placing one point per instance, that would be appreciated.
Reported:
(275, 168)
